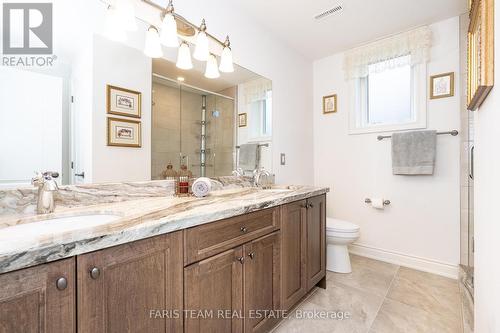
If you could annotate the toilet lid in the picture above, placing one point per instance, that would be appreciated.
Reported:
(340, 225)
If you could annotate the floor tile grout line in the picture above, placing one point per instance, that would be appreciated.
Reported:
(383, 299)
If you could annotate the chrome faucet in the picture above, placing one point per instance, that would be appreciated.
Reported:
(46, 187)
(257, 175)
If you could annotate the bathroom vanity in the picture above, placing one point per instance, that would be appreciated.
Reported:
(165, 264)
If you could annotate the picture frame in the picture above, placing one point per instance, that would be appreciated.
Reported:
(442, 85)
(330, 104)
(124, 133)
(242, 120)
(480, 52)
(123, 102)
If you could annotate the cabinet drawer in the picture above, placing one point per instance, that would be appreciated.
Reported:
(212, 238)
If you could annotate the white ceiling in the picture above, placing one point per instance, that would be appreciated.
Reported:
(361, 21)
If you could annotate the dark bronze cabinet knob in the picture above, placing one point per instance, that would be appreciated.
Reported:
(95, 273)
(241, 260)
(251, 255)
(62, 283)
(243, 229)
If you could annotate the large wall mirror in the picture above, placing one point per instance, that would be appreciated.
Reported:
(199, 125)
(56, 118)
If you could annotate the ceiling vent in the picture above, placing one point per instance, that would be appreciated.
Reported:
(335, 10)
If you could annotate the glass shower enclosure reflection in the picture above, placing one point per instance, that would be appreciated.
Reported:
(193, 130)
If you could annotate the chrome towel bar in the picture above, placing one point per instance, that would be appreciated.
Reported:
(452, 133)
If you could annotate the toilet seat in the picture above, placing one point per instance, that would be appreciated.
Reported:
(341, 226)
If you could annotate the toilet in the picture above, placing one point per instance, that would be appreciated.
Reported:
(339, 234)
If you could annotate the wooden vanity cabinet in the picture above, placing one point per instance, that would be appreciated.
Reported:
(261, 281)
(293, 248)
(315, 240)
(39, 299)
(233, 291)
(213, 293)
(303, 248)
(135, 287)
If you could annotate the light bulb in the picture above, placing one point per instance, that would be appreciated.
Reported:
(112, 26)
(226, 59)
(201, 51)
(152, 47)
(126, 12)
(212, 71)
(184, 57)
(168, 34)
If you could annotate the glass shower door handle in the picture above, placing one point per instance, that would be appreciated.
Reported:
(471, 161)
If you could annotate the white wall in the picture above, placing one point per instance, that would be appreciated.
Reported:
(421, 226)
(119, 65)
(486, 212)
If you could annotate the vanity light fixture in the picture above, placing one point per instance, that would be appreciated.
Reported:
(212, 70)
(121, 17)
(226, 59)
(112, 28)
(201, 51)
(152, 48)
(168, 33)
(184, 57)
(125, 10)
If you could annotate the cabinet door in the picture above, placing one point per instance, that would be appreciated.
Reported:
(135, 287)
(315, 240)
(213, 294)
(32, 300)
(261, 282)
(293, 249)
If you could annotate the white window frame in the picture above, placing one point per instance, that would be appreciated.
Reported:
(358, 113)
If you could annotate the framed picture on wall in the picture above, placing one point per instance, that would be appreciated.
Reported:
(242, 120)
(442, 85)
(124, 133)
(330, 104)
(123, 102)
(480, 52)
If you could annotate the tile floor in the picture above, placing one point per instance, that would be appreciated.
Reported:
(382, 298)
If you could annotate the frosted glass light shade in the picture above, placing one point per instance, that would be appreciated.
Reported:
(112, 26)
(126, 12)
(184, 57)
(226, 60)
(152, 47)
(201, 51)
(212, 70)
(168, 35)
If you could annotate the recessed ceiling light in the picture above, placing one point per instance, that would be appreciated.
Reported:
(180, 78)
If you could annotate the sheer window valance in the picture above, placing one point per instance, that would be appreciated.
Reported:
(256, 90)
(389, 52)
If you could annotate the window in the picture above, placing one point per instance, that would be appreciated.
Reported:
(260, 121)
(391, 97)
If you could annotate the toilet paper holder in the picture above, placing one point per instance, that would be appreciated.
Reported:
(386, 202)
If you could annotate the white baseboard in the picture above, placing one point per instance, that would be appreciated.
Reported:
(418, 263)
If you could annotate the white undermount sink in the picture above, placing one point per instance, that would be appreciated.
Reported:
(56, 225)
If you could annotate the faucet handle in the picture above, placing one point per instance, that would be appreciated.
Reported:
(50, 174)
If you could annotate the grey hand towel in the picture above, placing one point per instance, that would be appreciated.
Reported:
(413, 153)
(249, 156)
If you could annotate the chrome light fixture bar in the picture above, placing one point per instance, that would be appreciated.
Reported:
(120, 18)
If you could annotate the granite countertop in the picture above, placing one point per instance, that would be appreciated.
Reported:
(30, 240)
